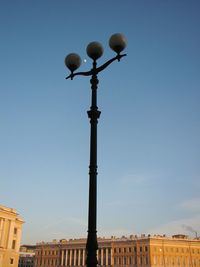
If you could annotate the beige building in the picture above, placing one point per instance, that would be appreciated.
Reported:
(10, 236)
(143, 251)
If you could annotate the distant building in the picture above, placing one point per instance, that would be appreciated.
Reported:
(27, 256)
(143, 251)
(10, 236)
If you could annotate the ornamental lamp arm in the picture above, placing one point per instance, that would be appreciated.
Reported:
(105, 65)
(83, 73)
(96, 70)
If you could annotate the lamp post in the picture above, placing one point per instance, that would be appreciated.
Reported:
(94, 50)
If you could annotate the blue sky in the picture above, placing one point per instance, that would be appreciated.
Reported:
(148, 132)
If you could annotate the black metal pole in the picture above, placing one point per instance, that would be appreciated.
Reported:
(93, 114)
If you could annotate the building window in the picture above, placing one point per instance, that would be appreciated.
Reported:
(13, 244)
(135, 260)
(11, 261)
(15, 231)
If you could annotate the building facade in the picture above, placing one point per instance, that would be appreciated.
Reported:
(10, 236)
(27, 256)
(144, 251)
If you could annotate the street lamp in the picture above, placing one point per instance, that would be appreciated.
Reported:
(94, 50)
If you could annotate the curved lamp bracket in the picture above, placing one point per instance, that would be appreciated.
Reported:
(96, 70)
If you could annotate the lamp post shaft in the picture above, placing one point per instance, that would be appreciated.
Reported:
(94, 50)
(93, 114)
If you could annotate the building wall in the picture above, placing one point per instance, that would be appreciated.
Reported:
(156, 251)
(10, 236)
(26, 259)
(27, 256)
(175, 252)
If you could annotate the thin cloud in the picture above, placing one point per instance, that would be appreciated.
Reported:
(116, 203)
(191, 205)
(135, 179)
(68, 220)
(123, 204)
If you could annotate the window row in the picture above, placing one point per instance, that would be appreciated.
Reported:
(49, 262)
(171, 261)
(130, 249)
(177, 250)
(47, 252)
(131, 261)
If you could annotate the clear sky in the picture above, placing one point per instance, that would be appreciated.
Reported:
(148, 133)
